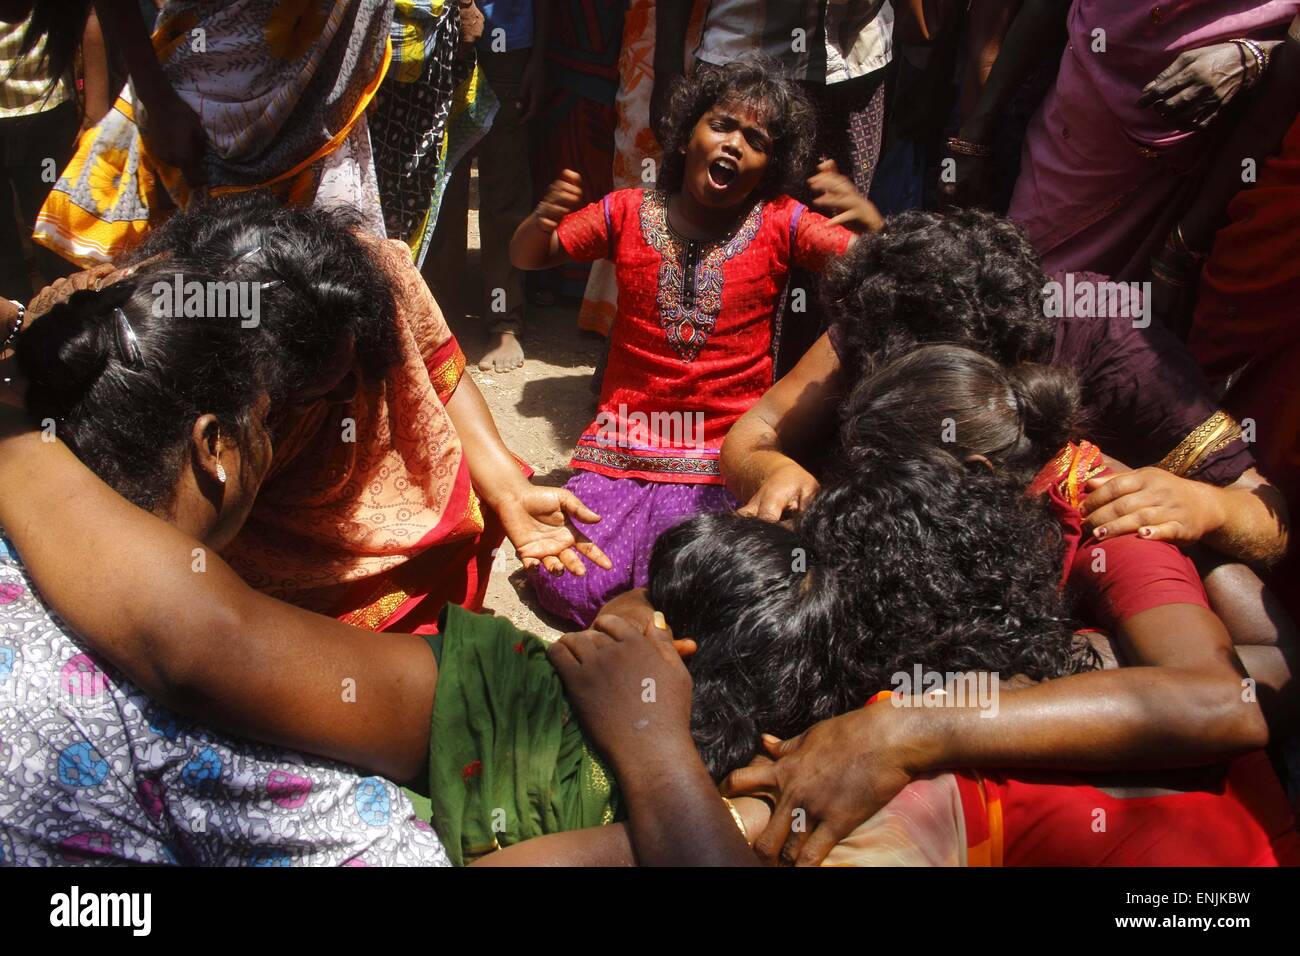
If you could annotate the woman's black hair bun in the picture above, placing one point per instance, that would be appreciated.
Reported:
(64, 353)
(1049, 404)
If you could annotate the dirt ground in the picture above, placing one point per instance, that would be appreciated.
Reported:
(540, 411)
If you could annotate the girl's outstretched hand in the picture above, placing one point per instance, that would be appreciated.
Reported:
(835, 195)
(96, 277)
(562, 197)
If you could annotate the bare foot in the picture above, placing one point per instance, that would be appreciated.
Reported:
(505, 355)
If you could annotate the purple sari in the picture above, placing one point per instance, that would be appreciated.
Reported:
(1098, 172)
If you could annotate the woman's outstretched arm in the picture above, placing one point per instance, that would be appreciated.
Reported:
(173, 617)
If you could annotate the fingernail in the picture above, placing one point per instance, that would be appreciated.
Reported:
(1101, 532)
(1144, 532)
(659, 621)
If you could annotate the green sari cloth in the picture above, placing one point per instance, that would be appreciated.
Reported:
(507, 759)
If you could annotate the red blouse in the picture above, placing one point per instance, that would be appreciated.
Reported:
(1116, 578)
(694, 336)
(1227, 814)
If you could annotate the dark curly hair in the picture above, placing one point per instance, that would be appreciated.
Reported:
(130, 422)
(912, 556)
(754, 82)
(328, 284)
(966, 277)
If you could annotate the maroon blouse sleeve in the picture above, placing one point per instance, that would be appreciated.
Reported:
(1144, 392)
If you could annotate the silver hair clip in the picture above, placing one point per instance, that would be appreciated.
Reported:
(248, 254)
(127, 343)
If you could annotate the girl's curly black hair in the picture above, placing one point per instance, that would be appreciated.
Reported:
(328, 282)
(912, 556)
(756, 83)
(966, 277)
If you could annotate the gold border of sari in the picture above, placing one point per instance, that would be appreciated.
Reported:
(1208, 438)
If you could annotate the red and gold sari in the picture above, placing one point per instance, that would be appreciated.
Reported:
(368, 513)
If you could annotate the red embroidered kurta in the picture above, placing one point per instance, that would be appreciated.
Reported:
(693, 339)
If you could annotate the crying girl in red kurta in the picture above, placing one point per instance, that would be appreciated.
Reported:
(702, 262)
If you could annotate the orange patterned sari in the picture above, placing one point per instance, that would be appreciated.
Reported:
(368, 513)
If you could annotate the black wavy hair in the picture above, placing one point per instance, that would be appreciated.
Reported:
(910, 556)
(329, 283)
(755, 82)
(131, 422)
(967, 278)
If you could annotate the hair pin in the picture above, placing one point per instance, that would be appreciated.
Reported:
(248, 254)
(127, 343)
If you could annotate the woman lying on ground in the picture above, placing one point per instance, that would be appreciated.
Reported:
(178, 416)
(972, 279)
(391, 489)
(498, 732)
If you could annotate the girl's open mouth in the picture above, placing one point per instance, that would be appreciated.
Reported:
(722, 172)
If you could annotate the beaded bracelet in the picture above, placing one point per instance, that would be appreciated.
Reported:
(735, 816)
(1260, 58)
(18, 325)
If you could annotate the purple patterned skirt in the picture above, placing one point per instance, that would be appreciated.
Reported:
(633, 514)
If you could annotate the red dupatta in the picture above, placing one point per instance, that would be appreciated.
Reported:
(1062, 480)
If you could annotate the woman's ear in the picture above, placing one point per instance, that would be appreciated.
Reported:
(976, 461)
(206, 446)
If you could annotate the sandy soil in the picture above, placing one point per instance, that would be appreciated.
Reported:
(540, 410)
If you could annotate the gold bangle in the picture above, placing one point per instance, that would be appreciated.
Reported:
(1178, 244)
(735, 815)
(1166, 274)
(964, 147)
(1260, 59)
